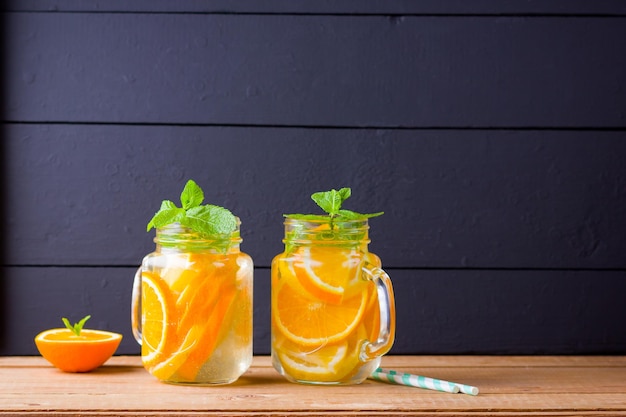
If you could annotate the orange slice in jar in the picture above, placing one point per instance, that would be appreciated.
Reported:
(156, 309)
(324, 364)
(181, 269)
(213, 324)
(313, 322)
(168, 366)
(325, 272)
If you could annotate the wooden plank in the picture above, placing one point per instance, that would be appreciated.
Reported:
(82, 194)
(316, 70)
(123, 387)
(448, 7)
(400, 361)
(438, 312)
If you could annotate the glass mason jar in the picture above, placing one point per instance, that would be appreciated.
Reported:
(333, 312)
(192, 308)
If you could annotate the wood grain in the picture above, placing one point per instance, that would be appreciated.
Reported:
(508, 386)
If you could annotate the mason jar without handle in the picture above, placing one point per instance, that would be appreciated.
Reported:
(333, 311)
(192, 308)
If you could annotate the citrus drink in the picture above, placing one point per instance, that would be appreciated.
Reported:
(196, 313)
(326, 312)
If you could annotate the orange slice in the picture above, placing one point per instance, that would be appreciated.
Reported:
(166, 368)
(214, 326)
(325, 272)
(313, 322)
(183, 268)
(200, 292)
(71, 353)
(202, 317)
(324, 365)
(157, 330)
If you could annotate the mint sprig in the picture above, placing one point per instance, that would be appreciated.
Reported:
(77, 327)
(331, 202)
(208, 220)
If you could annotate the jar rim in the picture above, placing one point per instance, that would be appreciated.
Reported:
(362, 222)
(312, 231)
(177, 235)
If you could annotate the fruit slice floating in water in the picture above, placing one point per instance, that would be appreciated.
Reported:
(314, 323)
(329, 363)
(166, 368)
(185, 326)
(325, 272)
(212, 314)
(157, 331)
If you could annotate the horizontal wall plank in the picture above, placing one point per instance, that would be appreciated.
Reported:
(316, 70)
(82, 194)
(447, 7)
(505, 312)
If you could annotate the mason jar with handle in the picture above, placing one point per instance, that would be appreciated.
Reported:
(333, 312)
(192, 307)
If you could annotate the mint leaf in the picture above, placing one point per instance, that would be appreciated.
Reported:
(67, 323)
(210, 220)
(166, 216)
(353, 215)
(345, 193)
(331, 201)
(77, 327)
(167, 204)
(192, 195)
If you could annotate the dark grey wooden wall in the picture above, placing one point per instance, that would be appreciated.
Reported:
(492, 134)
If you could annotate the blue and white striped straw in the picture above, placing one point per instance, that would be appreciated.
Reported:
(467, 389)
(401, 378)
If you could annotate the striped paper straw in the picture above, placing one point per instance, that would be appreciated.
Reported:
(401, 378)
(467, 389)
(414, 380)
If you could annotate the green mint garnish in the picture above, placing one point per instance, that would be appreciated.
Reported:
(331, 202)
(77, 327)
(208, 220)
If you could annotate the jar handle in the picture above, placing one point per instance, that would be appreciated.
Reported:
(135, 310)
(386, 303)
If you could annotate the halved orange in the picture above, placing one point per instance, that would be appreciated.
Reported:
(313, 322)
(71, 353)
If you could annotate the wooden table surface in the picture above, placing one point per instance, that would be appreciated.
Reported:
(509, 386)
